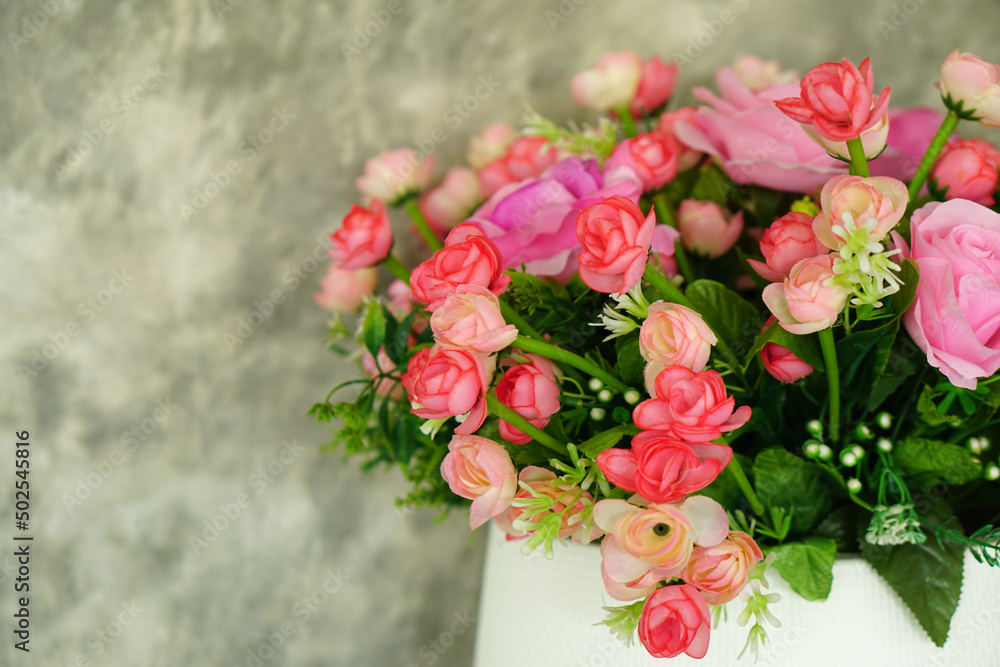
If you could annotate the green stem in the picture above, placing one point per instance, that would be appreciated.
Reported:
(558, 354)
(665, 215)
(513, 317)
(736, 470)
(519, 422)
(930, 156)
(628, 123)
(423, 227)
(832, 379)
(859, 163)
(396, 268)
(671, 293)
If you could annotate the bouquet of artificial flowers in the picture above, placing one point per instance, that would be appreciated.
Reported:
(716, 339)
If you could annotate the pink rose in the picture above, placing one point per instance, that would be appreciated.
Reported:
(490, 144)
(708, 229)
(674, 334)
(687, 157)
(873, 140)
(364, 237)
(720, 572)
(757, 74)
(675, 620)
(910, 133)
(611, 84)
(955, 318)
(615, 238)
(653, 156)
(808, 300)
(344, 291)
(542, 482)
(451, 202)
(529, 389)
(656, 85)
(400, 295)
(384, 366)
(789, 240)
(973, 83)
(781, 364)
(838, 100)
(968, 169)
(395, 175)
(468, 258)
(526, 157)
(533, 222)
(470, 319)
(446, 383)
(644, 545)
(480, 470)
(663, 469)
(875, 203)
(690, 406)
(754, 141)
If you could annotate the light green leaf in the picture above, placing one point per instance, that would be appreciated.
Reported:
(807, 566)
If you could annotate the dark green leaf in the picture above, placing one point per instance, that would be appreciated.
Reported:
(928, 409)
(397, 343)
(841, 525)
(605, 440)
(724, 489)
(927, 577)
(374, 328)
(807, 566)
(712, 185)
(898, 369)
(865, 352)
(910, 275)
(784, 480)
(941, 460)
(630, 362)
(732, 318)
(804, 347)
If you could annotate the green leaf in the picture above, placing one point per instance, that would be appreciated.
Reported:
(374, 328)
(862, 357)
(712, 185)
(724, 489)
(928, 409)
(784, 480)
(804, 347)
(910, 275)
(898, 369)
(605, 440)
(941, 460)
(841, 525)
(807, 566)
(732, 318)
(630, 365)
(927, 577)
(397, 342)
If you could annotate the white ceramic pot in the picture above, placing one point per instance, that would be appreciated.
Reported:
(539, 612)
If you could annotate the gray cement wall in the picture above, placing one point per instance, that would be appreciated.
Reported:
(114, 115)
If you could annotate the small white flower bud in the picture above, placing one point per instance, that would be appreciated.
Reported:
(848, 458)
(884, 444)
(825, 453)
(632, 396)
(604, 395)
(858, 451)
(595, 384)
(597, 414)
(884, 420)
(815, 428)
(992, 472)
(812, 449)
(854, 485)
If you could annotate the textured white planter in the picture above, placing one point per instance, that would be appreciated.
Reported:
(537, 612)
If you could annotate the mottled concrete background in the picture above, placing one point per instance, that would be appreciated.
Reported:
(120, 313)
